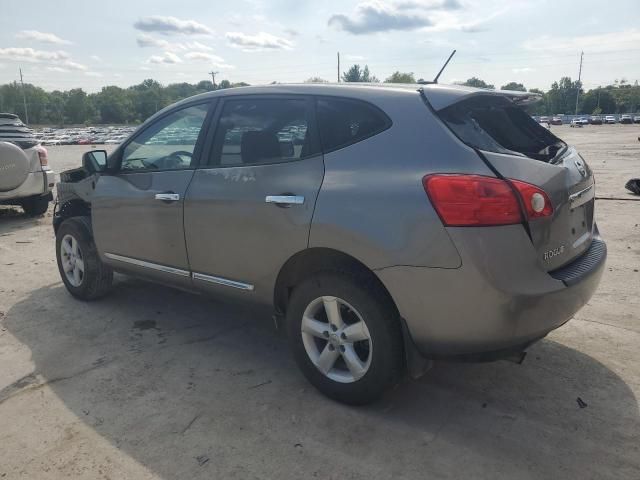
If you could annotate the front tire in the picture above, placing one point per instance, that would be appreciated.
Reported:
(345, 337)
(81, 269)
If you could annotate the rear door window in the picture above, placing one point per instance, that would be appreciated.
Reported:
(495, 124)
(343, 122)
(254, 131)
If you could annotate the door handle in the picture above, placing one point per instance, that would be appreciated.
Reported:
(168, 197)
(285, 200)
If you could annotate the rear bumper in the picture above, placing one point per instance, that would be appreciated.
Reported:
(499, 300)
(36, 183)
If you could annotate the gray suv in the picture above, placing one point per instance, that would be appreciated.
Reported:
(385, 225)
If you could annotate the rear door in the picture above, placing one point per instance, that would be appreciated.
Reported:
(250, 209)
(518, 148)
(137, 209)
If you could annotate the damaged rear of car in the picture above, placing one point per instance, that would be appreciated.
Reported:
(530, 249)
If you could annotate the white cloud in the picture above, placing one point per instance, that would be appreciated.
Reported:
(96, 58)
(167, 57)
(43, 37)
(258, 42)
(375, 16)
(144, 40)
(197, 46)
(604, 42)
(213, 60)
(57, 69)
(522, 70)
(171, 25)
(354, 58)
(93, 74)
(58, 58)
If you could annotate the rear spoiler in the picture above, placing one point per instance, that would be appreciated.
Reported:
(442, 96)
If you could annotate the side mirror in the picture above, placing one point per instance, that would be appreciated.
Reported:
(95, 161)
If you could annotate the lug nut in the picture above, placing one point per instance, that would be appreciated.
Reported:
(331, 348)
(333, 327)
(326, 333)
(343, 336)
(342, 348)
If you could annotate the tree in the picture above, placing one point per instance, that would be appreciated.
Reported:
(597, 101)
(399, 77)
(75, 108)
(315, 80)
(518, 87)
(561, 98)
(477, 83)
(224, 84)
(114, 105)
(355, 74)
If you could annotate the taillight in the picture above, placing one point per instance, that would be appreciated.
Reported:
(536, 202)
(476, 200)
(43, 156)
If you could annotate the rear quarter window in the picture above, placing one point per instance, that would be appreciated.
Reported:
(343, 122)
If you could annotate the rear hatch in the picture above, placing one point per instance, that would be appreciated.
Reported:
(516, 147)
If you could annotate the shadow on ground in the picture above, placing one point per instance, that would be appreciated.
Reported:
(192, 388)
(14, 218)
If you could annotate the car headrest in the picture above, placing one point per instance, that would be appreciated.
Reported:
(259, 146)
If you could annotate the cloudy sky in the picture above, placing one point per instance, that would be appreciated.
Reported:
(64, 44)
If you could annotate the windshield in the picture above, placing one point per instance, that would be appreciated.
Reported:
(495, 124)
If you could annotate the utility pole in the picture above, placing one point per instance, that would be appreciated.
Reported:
(338, 67)
(213, 78)
(24, 100)
(598, 97)
(579, 77)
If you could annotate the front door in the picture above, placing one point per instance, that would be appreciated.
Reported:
(250, 210)
(137, 210)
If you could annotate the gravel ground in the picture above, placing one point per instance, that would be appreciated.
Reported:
(156, 383)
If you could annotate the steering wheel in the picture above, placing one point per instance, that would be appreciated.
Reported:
(174, 159)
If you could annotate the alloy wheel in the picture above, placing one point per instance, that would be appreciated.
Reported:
(72, 260)
(336, 339)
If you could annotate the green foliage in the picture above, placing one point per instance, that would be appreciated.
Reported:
(356, 74)
(315, 80)
(136, 103)
(477, 83)
(399, 77)
(518, 87)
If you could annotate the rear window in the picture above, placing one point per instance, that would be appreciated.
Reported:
(495, 124)
(14, 131)
(343, 122)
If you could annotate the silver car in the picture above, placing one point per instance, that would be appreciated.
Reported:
(400, 224)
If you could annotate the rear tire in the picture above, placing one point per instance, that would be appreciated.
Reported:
(35, 206)
(81, 269)
(355, 368)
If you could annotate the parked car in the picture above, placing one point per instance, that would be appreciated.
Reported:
(626, 119)
(636, 119)
(556, 121)
(544, 120)
(595, 120)
(610, 119)
(375, 247)
(25, 177)
(576, 122)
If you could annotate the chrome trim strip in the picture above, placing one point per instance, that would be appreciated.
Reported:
(582, 197)
(222, 281)
(285, 199)
(142, 263)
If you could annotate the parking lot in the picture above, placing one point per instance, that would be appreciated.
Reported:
(157, 383)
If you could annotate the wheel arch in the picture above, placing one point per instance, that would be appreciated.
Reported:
(69, 209)
(313, 260)
(317, 259)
